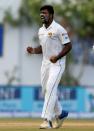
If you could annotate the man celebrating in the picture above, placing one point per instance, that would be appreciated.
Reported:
(55, 45)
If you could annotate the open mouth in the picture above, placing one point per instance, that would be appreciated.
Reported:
(42, 18)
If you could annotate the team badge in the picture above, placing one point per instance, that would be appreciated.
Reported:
(50, 34)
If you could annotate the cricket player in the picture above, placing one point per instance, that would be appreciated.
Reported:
(55, 45)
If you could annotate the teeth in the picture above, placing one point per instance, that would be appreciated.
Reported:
(42, 16)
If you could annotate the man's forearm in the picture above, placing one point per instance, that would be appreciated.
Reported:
(37, 50)
(65, 50)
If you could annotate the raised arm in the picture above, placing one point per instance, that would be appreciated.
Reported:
(37, 50)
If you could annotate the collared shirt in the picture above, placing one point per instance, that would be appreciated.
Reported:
(52, 40)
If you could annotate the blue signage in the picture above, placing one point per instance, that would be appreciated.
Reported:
(1, 40)
(16, 98)
(30, 99)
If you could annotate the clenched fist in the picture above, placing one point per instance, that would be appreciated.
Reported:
(30, 50)
(53, 59)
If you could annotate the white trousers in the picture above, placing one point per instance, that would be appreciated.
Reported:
(50, 78)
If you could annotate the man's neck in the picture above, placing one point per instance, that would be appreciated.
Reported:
(48, 24)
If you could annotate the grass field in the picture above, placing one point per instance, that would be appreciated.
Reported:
(29, 124)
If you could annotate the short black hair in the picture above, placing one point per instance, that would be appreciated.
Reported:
(48, 7)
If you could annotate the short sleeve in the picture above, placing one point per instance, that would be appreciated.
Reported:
(63, 36)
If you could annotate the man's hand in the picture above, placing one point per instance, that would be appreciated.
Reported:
(30, 50)
(53, 59)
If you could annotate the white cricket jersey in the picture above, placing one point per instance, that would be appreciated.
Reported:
(52, 40)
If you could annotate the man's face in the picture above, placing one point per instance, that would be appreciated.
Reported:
(45, 16)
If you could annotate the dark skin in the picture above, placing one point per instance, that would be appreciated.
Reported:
(37, 50)
(47, 19)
